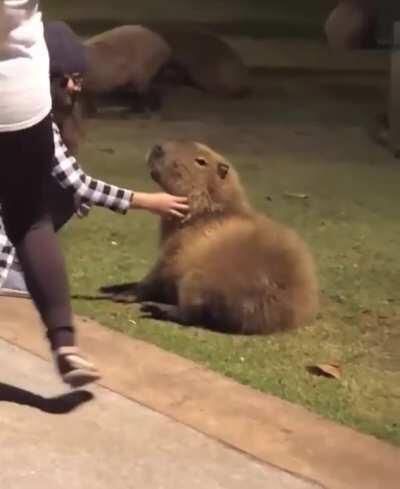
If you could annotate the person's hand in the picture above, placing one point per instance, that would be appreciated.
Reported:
(161, 203)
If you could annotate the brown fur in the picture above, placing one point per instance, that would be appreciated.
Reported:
(126, 56)
(227, 267)
(207, 61)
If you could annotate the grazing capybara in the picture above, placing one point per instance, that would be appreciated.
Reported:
(351, 24)
(126, 57)
(226, 266)
(206, 61)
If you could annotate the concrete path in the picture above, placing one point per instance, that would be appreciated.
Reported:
(114, 442)
(70, 441)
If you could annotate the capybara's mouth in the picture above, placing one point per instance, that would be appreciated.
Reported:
(156, 153)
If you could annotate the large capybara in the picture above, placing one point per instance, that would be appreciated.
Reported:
(351, 24)
(206, 61)
(225, 267)
(126, 57)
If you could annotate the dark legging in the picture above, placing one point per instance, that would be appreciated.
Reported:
(61, 203)
(26, 158)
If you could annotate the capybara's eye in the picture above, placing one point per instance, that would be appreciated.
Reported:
(201, 161)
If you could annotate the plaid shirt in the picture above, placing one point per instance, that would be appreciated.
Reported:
(87, 190)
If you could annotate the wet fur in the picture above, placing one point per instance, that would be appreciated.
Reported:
(227, 267)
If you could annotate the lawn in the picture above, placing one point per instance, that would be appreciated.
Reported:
(302, 134)
(283, 140)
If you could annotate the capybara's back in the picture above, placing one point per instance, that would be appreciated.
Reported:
(208, 61)
(128, 55)
(250, 274)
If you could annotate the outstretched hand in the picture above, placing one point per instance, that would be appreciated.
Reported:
(162, 204)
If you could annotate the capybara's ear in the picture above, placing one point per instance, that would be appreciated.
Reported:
(222, 169)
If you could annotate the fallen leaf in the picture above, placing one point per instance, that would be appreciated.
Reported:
(109, 151)
(296, 195)
(330, 370)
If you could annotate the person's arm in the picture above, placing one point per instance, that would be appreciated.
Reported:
(88, 191)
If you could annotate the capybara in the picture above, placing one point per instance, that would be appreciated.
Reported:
(206, 61)
(225, 267)
(127, 58)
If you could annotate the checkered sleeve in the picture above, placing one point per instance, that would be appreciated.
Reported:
(7, 253)
(88, 191)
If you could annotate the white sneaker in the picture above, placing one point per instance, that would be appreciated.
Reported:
(74, 369)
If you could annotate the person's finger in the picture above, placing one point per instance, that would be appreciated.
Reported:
(177, 214)
(181, 199)
(181, 207)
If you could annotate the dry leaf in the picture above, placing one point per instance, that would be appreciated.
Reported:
(109, 151)
(296, 195)
(330, 370)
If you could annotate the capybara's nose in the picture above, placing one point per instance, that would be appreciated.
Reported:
(157, 151)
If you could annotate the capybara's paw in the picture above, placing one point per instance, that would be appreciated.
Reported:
(120, 292)
(156, 310)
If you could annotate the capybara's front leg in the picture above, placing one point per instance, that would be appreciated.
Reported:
(120, 292)
(155, 288)
(163, 312)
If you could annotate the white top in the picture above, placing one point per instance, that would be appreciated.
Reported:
(24, 66)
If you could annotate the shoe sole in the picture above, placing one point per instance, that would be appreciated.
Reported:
(79, 378)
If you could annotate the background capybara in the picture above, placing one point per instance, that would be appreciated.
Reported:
(126, 57)
(206, 61)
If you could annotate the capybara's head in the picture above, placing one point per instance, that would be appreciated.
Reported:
(193, 170)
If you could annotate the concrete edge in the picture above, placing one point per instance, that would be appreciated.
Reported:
(263, 426)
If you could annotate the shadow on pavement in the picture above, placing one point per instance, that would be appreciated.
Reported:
(62, 404)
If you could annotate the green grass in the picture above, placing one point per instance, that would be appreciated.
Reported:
(351, 222)
(297, 134)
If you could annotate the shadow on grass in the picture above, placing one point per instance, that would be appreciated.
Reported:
(117, 293)
(62, 404)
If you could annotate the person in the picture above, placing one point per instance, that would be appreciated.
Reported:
(70, 190)
(27, 152)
